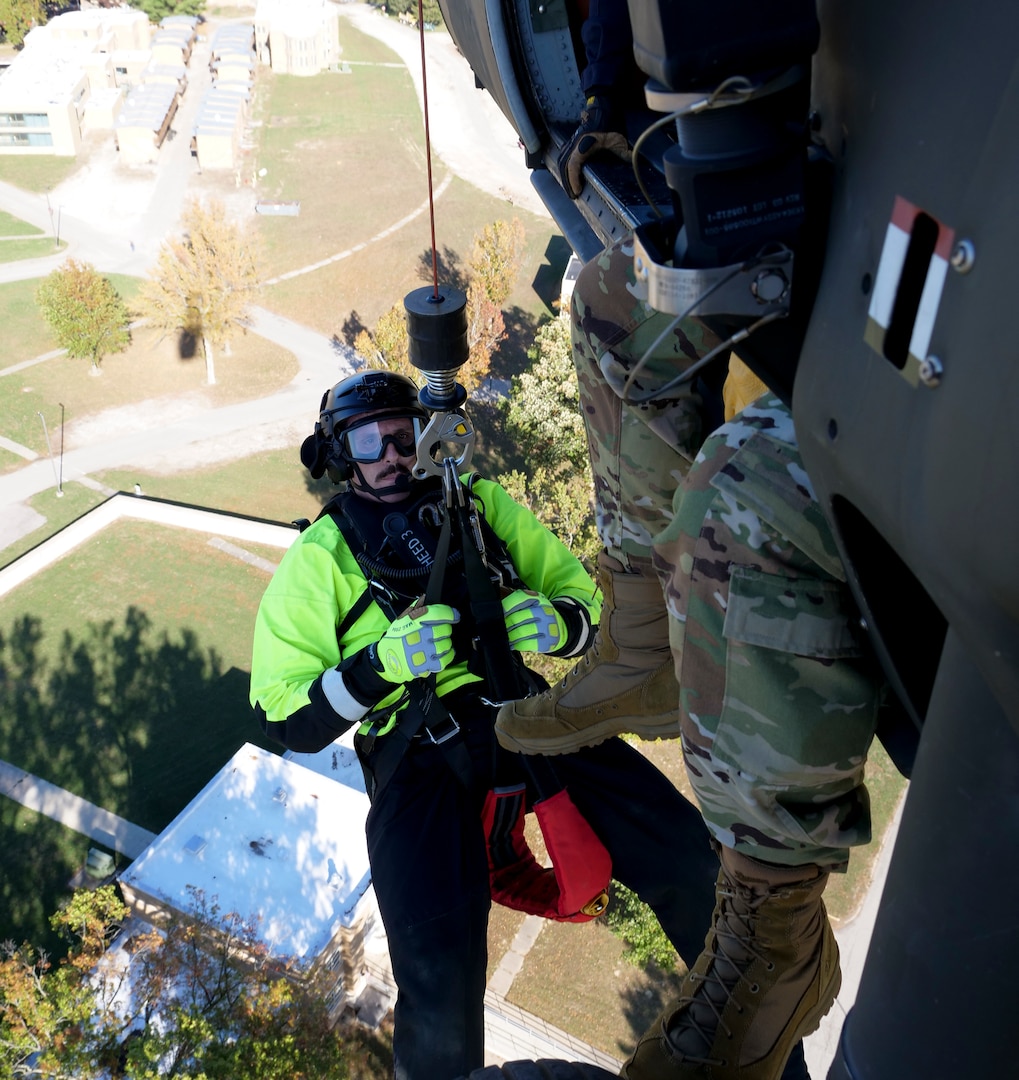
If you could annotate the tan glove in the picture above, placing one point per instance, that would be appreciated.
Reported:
(594, 135)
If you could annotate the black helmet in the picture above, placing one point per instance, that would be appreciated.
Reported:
(366, 392)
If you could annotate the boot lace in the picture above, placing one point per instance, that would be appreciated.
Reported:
(579, 669)
(695, 1024)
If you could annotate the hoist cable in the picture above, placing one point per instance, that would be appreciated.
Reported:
(428, 149)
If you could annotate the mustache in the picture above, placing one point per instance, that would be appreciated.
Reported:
(396, 469)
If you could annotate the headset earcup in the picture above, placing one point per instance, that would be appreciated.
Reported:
(314, 451)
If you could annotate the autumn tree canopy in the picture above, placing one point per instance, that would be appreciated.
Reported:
(17, 17)
(194, 1009)
(204, 279)
(85, 312)
(491, 272)
(542, 419)
(159, 9)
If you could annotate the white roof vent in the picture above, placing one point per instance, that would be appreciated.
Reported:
(196, 845)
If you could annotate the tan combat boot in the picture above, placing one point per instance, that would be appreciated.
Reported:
(625, 682)
(768, 974)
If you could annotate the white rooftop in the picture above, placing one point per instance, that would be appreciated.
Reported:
(270, 838)
(294, 17)
(47, 73)
(338, 761)
(146, 106)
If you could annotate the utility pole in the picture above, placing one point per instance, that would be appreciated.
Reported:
(60, 477)
(49, 450)
(53, 226)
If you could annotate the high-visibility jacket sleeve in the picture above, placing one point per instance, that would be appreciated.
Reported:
(542, 560)
(301, 700)
(295, 642)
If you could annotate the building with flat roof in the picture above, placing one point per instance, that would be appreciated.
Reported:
(269, 837)
(144, 121)
(297, 37)
(45, 91)
(219, 125)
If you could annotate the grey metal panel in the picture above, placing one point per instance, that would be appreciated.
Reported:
(572, 224)
(921, 100)
(551, 60)
(478, 27)
(514, 99)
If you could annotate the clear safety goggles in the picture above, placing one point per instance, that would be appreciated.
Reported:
(367, 441)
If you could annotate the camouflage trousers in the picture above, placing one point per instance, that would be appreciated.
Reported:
(641, 448)
(778, 695)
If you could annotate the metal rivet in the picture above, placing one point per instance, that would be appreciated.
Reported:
(769, 287)
(931, 371)
(963, 256)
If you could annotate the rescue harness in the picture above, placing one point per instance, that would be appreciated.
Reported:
(575, 887)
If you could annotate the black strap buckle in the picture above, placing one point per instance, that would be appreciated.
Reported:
(448, 729)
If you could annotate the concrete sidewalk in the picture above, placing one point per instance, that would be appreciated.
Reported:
(323, 362)
(78, 814)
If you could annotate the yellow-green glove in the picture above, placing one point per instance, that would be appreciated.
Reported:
(417, 643)
(532, 622)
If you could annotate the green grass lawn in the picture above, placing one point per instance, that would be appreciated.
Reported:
(36, 172)
(132, 689)
(25, 331)
(350, 149)
(150, 369)
(576, 978)
(12, 226)
(29, 248)
(26, 334)
(271, 484)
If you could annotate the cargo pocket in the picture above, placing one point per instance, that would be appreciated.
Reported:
(799, 710)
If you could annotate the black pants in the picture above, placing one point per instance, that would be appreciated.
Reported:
(430, 872)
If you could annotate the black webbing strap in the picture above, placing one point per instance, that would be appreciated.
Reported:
(502, 674)
(425, 716)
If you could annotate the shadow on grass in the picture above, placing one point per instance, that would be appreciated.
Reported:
(548, 281)
(130, 719)
(644, 1002)
(321, 490)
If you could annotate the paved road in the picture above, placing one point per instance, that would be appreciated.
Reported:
(76, 813)
(129, 215)
(322, 364)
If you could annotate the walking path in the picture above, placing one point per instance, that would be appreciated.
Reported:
(76, 813)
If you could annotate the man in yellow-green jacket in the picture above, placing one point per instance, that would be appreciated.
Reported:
(345, 637)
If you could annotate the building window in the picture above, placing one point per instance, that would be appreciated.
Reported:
(121, 70)
(24, 120)
(29, 138)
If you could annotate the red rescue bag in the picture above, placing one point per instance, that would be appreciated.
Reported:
(575, 887)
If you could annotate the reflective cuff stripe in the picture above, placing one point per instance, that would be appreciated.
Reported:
(579, 631)
(343, 703)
